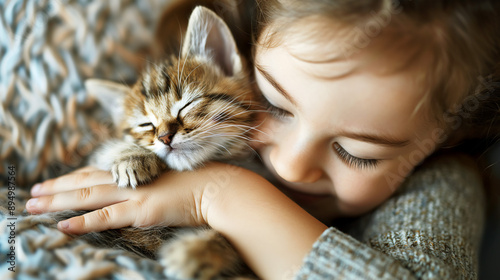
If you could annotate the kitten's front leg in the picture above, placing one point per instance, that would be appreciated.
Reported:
(201, 253)
(130, 164)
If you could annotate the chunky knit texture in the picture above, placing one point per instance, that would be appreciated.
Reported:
(48, 48)
(43, 252)
(49, 124)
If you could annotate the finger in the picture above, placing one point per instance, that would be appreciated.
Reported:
(80, 199)
(111, 217)
(85, 169)
(82, 178)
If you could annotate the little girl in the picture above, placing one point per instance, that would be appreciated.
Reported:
(359, 93)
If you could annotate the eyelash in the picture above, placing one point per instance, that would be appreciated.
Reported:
(353, 161)
(276, 112)
(150, 126)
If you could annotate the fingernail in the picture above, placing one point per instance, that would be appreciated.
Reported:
(36, 188)
(64, 224)
(32, 202)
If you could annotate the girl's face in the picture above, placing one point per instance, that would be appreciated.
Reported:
(341, 135)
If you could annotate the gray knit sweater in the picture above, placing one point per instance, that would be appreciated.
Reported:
(430, 229)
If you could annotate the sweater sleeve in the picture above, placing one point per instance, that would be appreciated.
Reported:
(430, 229)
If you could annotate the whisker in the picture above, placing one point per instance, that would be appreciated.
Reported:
(220, 127)
(227, 125)
(242, 128)
(179, 56)
(221, 146)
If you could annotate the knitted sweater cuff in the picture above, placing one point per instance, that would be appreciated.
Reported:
(336, 255)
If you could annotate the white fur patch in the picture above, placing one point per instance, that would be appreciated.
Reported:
(184, 156)
(137, 119)
(189, 108)
(139, 129)
(188, 95)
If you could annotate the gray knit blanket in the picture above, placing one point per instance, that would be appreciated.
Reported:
(49, 125)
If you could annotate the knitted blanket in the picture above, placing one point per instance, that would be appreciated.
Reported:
(48, 123)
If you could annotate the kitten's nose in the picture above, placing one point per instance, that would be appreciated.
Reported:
(166, 138)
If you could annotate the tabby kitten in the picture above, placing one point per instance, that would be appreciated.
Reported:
(182, 112)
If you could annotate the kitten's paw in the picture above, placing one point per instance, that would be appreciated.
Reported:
(203, 254)
(134, 170)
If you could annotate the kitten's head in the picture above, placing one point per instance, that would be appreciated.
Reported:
(193, 107)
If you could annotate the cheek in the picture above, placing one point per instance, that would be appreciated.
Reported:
(145, 138)
(359, 193)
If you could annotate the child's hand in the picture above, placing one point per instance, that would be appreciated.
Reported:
(258, 220)
(174, 199)
(272, 233)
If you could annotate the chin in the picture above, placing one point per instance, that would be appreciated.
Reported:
(182, 161)
(180, 158)
(324, 209)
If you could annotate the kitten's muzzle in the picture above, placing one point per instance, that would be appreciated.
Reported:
(167, 138)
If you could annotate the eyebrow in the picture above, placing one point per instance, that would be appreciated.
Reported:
(328, 60)
(377, 139)
(275, 84)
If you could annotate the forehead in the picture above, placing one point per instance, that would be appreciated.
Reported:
(391, 47)
(348, 92)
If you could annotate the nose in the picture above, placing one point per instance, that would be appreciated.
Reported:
(297, 160)
(166, 138)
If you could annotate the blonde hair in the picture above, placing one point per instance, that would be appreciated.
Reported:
(461, 37)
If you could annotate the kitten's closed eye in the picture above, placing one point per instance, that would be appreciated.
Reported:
(146, 124)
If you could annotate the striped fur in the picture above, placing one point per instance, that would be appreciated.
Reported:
(200, 99)
(183, 111)
(208, 113)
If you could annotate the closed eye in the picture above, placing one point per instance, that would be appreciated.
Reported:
(278, 112)
(275, 111)
(353, 161)
(146, 124)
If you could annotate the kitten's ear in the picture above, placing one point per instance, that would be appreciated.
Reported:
(208, 36)
(110, 95)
